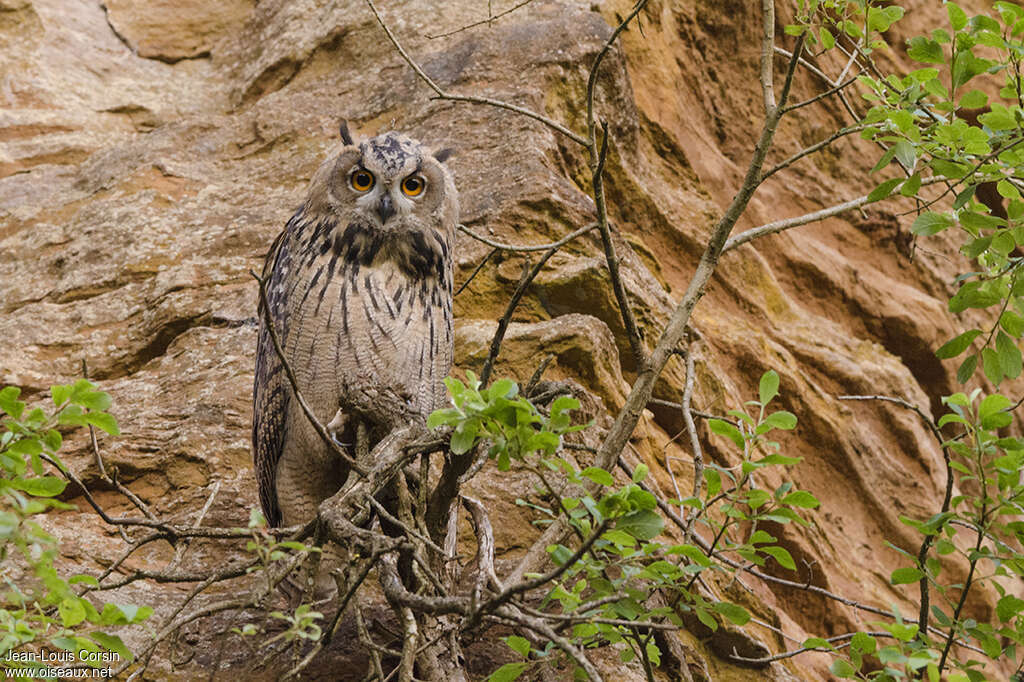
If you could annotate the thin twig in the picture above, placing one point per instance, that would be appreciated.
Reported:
(788, 223)
(320, 429)
(489, 20)
(475, 272)
(698, 453)
(818, 146)
(598, 155)
(513, 303)
(441, 94)
(525, 248)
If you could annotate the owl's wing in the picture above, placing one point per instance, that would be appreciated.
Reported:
(271, 392)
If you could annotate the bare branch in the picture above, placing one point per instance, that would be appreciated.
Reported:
(489, 20)
(513, 303)
(788, 223)
(475, 272)
(525, 248)
(767, 54)
(926, 543)
(598, 155)
(816, 147)
(698, 454)
(441, 94)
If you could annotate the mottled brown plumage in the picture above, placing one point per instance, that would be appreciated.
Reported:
(359, 287)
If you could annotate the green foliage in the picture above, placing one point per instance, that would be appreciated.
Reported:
(924, 120)
(980, 529)
(627, 562)
(41, 609)
(499, 415)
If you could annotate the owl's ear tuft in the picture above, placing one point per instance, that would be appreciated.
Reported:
(346, 136)
(444, 154)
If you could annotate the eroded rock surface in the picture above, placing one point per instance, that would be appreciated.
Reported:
(150, 152)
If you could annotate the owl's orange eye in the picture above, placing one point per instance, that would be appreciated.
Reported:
(361, 180)
(413, 185)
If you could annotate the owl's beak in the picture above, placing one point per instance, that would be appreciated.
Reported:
(385, 209)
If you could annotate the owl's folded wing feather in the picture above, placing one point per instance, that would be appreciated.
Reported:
(272, 393)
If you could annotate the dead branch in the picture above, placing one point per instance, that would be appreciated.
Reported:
(442, 95)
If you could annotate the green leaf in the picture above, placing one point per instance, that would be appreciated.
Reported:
(507, 672)
(957, 17)
(975, 247)
(958, 345)
(966, 369)
(777, 459)
(520, 645)
(694, 554)
(902, 631)
(864, 643)
(781, 555)
(929, 223)
(992, 367)
(599, 476)
(103, 421)
(45, 486)
(723, 428)
(925, 50)
(999, 118)
(888, 156)
(52, 440)
(950, 169)
(906, 154)
(640, 473)
(446, 415)
(464, 436)
(620, 538)
(502, 388)
(906, 575)
(801, 498)
(1009, 607)
(643, 524)
(85, 579)
(124, 614)
(768, 387)
(816, 643)
(842, 668)
(60, 394)
(734, 612)
(1007, 190)
(757, 497)
(9, 402)
(704, 617)
(975, 99)
(112, 643)
(1009, 356)
(883, 190)
(1012, 323)
(781, 420)
(980, 221)
(828, 41)
(71, 611)
(992, 412)
(26, 446)
(910, 187)
(97, 401)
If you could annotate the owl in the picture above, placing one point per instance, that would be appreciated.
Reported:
(359, 289)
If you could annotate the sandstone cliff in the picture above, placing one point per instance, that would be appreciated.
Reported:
(151, 151)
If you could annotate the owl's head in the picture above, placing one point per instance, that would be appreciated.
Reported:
(391, 183)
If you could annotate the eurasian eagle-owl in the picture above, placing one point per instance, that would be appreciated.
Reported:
(359, 287)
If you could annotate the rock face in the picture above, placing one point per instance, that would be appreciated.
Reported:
(152, 150)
